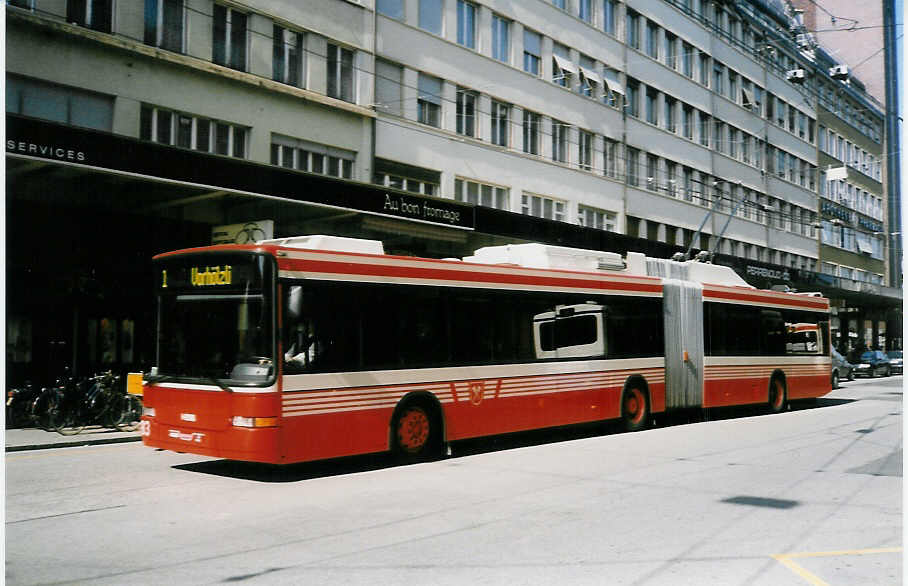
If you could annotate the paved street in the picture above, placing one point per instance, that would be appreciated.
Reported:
(811, 496)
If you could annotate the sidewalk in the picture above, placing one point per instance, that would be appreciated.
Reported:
(18, 440)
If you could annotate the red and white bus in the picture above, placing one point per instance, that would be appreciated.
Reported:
(320, 347)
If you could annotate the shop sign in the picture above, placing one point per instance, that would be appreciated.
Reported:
(871, 225)
(781, 275)
(60, 152)
(831, 209)
(434, 211)
(244, 233)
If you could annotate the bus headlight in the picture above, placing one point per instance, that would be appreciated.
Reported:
(147, 411)
(240, 421)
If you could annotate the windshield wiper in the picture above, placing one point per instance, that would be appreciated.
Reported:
(158, 378)
(219, 383)
(163, 378)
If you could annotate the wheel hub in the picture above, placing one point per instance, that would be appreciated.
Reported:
(413, 430)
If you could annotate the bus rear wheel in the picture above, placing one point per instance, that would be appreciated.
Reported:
(777, 395)
(416, 433)
(634, 409)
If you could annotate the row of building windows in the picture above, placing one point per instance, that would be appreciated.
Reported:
(774, 52)
(835, 145)
(680, 181)
(192, 132)
(851, 196)
(203, 134)
(166, 27)
(66, 105)
(583, 149)
(165, 22)
(413, 184)
(685, 237)
(837, 235)
(852, 273)
(695, 64)
(600, 81)
(302, 155)
(845, 109)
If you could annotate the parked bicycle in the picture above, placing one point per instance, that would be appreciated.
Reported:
(66, 411)
(109, 404)
(72, 404)
(18, 403)
(46, 408)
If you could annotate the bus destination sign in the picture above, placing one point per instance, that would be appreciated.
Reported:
(207, 276)
(213, 271)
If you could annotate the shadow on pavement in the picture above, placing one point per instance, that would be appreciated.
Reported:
(290, 472)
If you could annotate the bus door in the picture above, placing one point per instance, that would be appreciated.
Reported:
(683, 311)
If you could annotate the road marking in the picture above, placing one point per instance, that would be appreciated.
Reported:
(787, 560)
(45, 452)
(66, 514)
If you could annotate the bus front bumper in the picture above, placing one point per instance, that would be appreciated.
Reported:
(234, 443)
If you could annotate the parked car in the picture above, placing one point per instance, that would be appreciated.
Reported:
(895, 361)
(841, 369)
(873, 363)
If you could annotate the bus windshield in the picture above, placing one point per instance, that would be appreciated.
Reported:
(216, 318)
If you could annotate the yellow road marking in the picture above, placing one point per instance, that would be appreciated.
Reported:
(787, 560)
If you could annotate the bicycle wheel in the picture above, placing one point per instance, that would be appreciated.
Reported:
(113, 410)
(64, 419)
(40, 408)
(131, 413)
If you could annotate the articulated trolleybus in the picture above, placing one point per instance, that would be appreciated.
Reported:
(320, 347)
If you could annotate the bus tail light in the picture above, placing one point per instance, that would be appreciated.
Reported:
(148, 411)
(239, 421)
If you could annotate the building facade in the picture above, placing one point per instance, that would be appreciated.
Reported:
(138, 126)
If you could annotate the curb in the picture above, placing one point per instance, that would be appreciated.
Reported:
(72, 444)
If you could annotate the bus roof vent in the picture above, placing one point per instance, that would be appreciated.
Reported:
(332, 243)
(692, 270)
(546, 256)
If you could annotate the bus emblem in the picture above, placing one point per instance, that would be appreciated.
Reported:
(477, 391)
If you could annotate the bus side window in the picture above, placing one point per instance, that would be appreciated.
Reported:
(299, 333)
(773, 333)
(571, 331)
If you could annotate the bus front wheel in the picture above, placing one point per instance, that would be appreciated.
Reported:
(416, 432)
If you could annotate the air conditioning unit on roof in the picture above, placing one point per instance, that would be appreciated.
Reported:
(839, 72)
(804, 40)
(796, 75)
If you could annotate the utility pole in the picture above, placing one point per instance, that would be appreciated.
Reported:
(893, 173)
